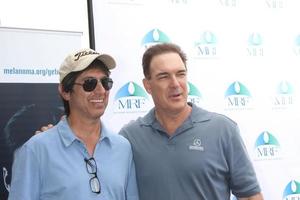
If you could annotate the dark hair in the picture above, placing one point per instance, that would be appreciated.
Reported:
(159, 49)
(69, 80)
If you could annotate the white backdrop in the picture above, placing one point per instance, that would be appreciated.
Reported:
(243, 57)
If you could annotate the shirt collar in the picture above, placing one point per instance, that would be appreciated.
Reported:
(68, 137)
(197, 115)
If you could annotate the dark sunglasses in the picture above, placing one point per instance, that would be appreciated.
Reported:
(91, 83)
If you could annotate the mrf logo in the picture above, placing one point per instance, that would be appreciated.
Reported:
(154, 36)
(292, 191)
(206, 46)
(229, 3)
(131, 98)
(284, 95)
(297, 45)
(275, 4)
(267, 147)
(255, 45)
(194, 94)
(237, 96)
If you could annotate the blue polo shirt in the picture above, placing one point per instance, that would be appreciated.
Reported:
(51, 166)
(204, 159)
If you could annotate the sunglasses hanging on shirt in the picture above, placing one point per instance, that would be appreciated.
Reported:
(91, 167)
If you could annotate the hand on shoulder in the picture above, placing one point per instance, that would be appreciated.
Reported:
(44, 128)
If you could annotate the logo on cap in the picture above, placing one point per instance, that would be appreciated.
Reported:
(83, 53)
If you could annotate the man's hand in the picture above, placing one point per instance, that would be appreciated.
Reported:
(44, 128)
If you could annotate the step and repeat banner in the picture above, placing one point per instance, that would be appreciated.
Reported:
(243, 61)
(29, 62)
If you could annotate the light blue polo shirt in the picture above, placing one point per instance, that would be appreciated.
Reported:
(51, 166)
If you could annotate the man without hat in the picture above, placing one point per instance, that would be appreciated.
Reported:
(79, 158)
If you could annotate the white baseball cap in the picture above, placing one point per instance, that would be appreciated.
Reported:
(81, 59)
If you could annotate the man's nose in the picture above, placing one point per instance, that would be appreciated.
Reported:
(174, 81)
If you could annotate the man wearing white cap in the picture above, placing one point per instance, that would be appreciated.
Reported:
(79, 158)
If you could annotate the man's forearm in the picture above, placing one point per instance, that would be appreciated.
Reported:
(258, 196)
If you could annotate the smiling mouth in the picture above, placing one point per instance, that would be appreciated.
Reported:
(97, 101)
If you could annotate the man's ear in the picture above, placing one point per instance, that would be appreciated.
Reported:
(147, 85)
(65, 95)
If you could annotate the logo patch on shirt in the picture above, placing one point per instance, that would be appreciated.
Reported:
(196, 145)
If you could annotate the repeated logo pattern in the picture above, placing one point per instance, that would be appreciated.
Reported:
(244, 67)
